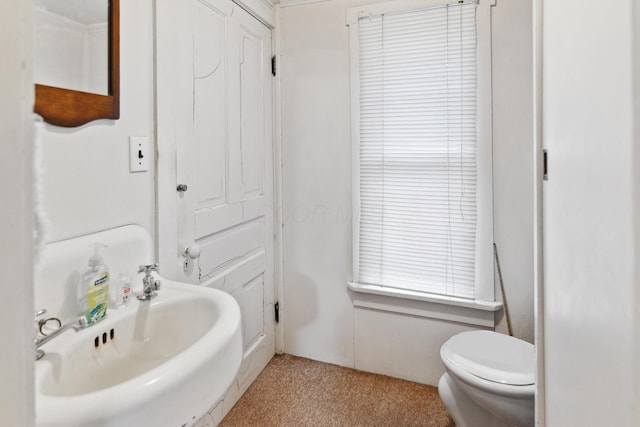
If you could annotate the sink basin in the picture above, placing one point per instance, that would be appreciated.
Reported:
(158, 363)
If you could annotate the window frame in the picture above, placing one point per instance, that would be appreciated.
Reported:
(484, 260)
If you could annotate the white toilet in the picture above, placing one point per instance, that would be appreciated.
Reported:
(489, 380)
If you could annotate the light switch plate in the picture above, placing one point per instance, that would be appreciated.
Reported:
(138, 154)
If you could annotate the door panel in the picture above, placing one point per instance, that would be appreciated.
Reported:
(217, 69)
(251, 145)
(231, 210)
(209, 106)
(251, 294)
(230, 246)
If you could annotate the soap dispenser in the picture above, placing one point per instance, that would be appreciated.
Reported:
(93, 293)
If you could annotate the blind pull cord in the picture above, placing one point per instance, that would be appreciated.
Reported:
(504, 296)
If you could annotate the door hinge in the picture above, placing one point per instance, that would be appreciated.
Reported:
(273, 65)
(276, 308)
(545, 166)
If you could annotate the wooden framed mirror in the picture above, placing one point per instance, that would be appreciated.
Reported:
(58, 100)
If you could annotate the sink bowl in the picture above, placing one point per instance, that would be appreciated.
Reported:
(158, 363)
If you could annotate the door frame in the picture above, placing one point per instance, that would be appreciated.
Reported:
(17, 396)
(538, 268)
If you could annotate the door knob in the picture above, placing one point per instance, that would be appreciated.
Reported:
(182, 188)
(192, 251)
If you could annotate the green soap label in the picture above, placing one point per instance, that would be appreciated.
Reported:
(98, 313)
(98, 297)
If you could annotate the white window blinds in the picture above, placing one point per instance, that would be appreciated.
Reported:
(417, 150)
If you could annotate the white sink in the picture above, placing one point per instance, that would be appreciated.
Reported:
(169, 360)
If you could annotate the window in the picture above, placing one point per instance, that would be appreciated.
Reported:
(422, 147)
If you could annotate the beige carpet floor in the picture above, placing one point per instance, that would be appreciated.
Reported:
(292, 391)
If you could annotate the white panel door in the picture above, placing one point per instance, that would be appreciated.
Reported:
(216, 74)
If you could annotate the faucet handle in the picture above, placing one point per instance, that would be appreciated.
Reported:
(147, 269)
(80, 323)
(44, 325)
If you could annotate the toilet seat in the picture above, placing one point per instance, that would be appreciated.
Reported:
(491, 356)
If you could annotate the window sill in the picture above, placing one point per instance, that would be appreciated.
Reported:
(480, 313)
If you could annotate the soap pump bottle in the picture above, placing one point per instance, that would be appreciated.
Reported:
(94, 288)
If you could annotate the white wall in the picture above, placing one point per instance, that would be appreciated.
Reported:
(591, 274)
(87, 184)
(16, 291)
(512, 160)
(317, 311)
(320, 320)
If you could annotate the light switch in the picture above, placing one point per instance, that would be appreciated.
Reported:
(138, 154)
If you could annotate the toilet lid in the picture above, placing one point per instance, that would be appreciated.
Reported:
(491, 356)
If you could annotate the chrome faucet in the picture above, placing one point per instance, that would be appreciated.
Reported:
(78, 324)
(150, 285)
